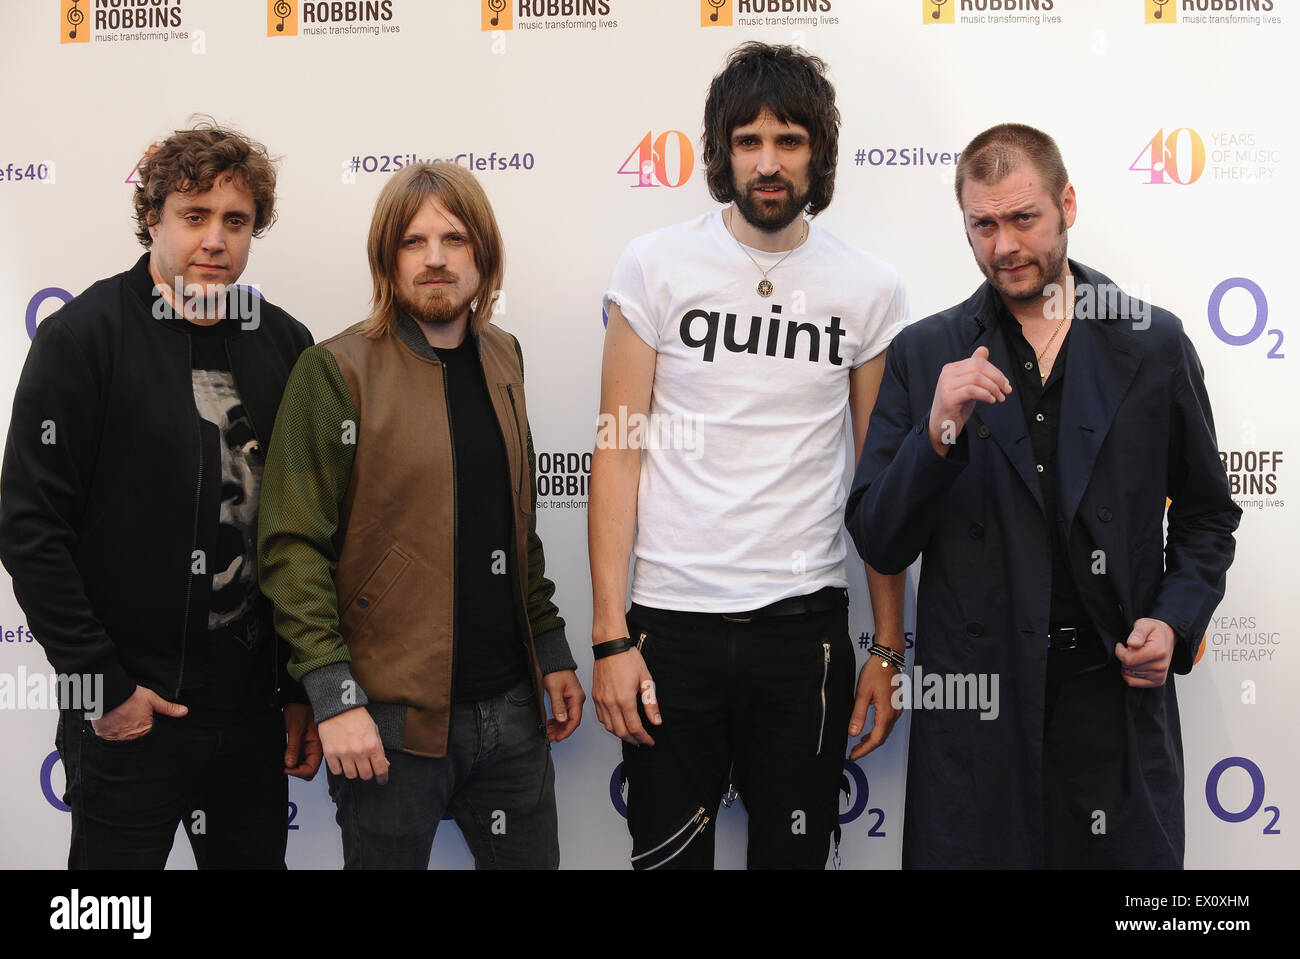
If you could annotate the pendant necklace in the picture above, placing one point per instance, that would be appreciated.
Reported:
(765, 287)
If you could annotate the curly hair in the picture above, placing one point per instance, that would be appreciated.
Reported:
(191, 160)
(790, 83)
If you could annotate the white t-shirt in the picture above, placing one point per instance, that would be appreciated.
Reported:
(745, 469)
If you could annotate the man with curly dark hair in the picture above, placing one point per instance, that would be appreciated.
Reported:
(128, 521)
(739, 345)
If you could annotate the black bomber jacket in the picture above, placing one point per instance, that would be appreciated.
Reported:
(103, 470)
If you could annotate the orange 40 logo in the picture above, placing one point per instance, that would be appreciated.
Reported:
(1177, 158)
(649, 161)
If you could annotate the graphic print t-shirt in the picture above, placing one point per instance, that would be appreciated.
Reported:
(748, 465)
(228, 660)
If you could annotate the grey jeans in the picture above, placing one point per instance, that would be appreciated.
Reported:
(496, 781)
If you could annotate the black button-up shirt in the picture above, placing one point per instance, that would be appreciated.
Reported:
(1042, 406)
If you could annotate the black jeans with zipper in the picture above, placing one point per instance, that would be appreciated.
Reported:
(762, 706)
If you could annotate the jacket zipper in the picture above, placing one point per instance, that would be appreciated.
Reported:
(194, 533)
(690, 822)
(523, 452)
(455, 527)
(826, 668)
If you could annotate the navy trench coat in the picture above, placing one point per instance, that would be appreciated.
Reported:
(1135, 428)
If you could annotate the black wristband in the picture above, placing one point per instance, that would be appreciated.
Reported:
(891, 656)
(612, 647)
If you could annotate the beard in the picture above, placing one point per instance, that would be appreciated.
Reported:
(434, 306)
(770, 216)
(1050, 267)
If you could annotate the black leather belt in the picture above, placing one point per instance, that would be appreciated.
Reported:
(827, 598)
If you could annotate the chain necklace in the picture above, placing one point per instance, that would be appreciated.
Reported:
(765, 287)
(1047, 346)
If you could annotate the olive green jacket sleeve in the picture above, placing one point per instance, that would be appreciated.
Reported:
(304, 482)
(543, 616)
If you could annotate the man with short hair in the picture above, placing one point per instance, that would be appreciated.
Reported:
(399, 544)
(741, 339)
(1024, 445)
(128, 518)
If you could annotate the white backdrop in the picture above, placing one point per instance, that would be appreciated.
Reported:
(1173, 130)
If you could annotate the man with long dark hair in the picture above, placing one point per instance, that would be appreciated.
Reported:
(736, 344)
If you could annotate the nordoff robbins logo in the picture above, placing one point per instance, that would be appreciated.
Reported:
(83, 691)
(75, 912)
(946, 691)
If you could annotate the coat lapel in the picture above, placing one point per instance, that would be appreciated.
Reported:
(1099, 369)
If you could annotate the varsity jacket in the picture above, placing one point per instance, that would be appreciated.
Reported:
(357, 529)
(102, 478)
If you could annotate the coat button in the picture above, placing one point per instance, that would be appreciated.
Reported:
(1104, 514)
(983, 432)
(363, 602)
(976, 530)
(975, 630)
(919, 429)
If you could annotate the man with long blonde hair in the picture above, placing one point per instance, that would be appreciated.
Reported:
(398, 543)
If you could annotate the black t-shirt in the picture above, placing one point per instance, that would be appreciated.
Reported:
(229, 648)
(489, 653)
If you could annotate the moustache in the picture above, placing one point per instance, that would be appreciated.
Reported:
(771, 181)
(432, 276)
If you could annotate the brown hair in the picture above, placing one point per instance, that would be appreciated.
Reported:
(191, 160)
(400, 199)
(790, 83)
(994, 154)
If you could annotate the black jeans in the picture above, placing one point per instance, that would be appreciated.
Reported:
(226, 785)
(762, 706)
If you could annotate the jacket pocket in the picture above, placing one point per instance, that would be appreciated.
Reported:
(517, 445)
(372, 591)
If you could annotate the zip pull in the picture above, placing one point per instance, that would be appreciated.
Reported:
(640, 642)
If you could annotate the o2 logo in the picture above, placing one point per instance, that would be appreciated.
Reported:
(34, 305)
(1163, 163)
(47, 786)
(650, 160)
(1253, 805)
(856, 791)
(616, 791)
(1256, 328)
